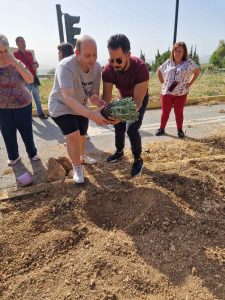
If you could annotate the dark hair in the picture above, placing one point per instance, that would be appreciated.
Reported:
(18, 38)
(119, 41)
(66, 49)
(180, 44)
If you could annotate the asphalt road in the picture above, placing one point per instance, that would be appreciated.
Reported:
(200, 121)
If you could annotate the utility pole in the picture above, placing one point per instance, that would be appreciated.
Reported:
(175, 23)
(60, 24)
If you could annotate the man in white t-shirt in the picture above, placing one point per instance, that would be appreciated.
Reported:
(77, 80)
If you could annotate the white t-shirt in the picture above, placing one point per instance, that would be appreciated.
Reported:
(181, 73)
(68, 74)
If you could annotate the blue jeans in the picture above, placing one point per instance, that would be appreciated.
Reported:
(19, 119)
(34, 90)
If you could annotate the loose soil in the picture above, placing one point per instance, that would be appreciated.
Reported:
(158, 236)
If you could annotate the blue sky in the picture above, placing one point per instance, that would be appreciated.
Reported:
(147, 23)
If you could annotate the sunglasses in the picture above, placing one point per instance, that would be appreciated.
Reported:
(117, 60)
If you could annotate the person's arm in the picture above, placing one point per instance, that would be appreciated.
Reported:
(96, 100)
(195, 76)
(35, 64)
(76, 106)
(141, 85)
(21, 69)
(107, 91)
(140, 91)
(94, 94)
(66, 84)
(96, 82)
(160, 76)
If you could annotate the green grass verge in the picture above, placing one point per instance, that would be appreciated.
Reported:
(206, 85)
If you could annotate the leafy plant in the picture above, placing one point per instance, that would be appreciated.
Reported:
(123, 109)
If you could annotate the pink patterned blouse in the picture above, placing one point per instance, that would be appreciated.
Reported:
(180, 73)
(13, 92)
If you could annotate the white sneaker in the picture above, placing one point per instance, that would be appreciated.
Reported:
(84, 159)
(36, 157)
(13, 162)
(78, 175)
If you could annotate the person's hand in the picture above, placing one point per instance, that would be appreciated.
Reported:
(35, 66)
(138, 105)
(188, 85)
(114, 121)
(10, 59)
(96, 100)
(98, 118)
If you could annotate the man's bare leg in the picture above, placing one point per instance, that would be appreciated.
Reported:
(84, 158)
(73, 147)
(73, 150)
(82, 145)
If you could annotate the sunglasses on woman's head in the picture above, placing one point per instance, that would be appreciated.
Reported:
(117, 60)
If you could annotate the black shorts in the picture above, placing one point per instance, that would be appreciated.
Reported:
(70, 123)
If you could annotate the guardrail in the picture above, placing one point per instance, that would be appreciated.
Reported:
(219, 71)
(46, 76)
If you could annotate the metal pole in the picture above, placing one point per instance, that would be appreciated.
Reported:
(175, 23)
(60, 24)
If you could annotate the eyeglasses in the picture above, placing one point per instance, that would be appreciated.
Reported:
(117, 60)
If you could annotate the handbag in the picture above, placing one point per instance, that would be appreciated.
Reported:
(174, 83)
(36, 80)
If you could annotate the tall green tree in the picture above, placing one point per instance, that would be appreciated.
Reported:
(142, 56)
(194, 55)
(218, 56)
(190, 54)
(160, 59)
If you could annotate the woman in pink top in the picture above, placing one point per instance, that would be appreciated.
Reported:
(174, 76)
(15, 104)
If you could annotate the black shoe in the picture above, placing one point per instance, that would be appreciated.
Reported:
(160, 131)
(116, 156)
(137, 167)
(43, 116)
(180, 133)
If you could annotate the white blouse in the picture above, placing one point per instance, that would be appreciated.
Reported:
(180, 73)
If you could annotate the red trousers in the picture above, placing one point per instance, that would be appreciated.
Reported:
(178, 103)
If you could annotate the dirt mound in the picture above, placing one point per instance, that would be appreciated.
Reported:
(55, 170)
(159, 236)
(65, 163)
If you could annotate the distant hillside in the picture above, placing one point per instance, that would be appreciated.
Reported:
(204, 59)
(43, 71)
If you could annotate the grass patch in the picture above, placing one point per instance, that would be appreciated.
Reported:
(206, 85)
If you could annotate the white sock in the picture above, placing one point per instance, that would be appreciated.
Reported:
(75, 167)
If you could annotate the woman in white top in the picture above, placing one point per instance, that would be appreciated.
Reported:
(175, 75)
